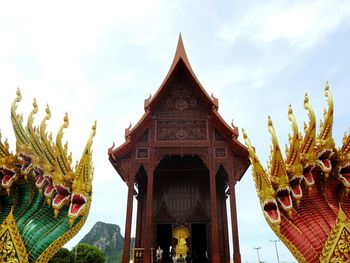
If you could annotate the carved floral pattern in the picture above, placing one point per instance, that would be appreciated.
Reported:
(7, 249)
(181, 130)
(142, 153)
(341, 252)
(181, 97)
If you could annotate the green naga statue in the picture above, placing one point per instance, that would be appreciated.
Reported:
(44, 202)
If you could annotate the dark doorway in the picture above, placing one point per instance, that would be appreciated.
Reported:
(164, 239)
(199, 243)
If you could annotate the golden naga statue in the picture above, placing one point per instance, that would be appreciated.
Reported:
(181, 233)
(304, 196)
(44, 202)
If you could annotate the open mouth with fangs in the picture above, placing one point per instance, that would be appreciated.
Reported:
(62, 196)
(295, 187)
(324, 161)
(308, 176)
(9, 177)
(40, 179)
(77, 204)
(344, 174)
(26, 163)
(272, 212)
(283, 197)
(49, 190)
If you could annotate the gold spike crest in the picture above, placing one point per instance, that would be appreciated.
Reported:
(277, 170)
(307, 154)
(293, 165)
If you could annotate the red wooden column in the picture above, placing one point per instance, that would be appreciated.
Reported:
(225, 228)
(214, 219)
(149, 215)
(126, 252)
(236, 252)
(138, 223)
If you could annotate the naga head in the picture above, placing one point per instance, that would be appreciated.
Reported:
(307, 154)
(15, 167)
(266, 193)
(293, 166)
(10, 169)
(82, 182)
(324, 145)
(342, 169)
(278, 173)
(63, 175)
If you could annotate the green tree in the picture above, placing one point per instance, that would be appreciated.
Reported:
(85, 253)
(62, 256)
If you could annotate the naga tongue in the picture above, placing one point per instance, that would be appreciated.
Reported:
(59, 199)
(309, 178)
(6, 179)
(75, 208)
(273, 214)
(346, 177)
(296, 189)
(48, 190)
(285, 200)
(40, 180)
(326, 163)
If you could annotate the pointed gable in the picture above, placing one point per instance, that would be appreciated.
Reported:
(180, 69)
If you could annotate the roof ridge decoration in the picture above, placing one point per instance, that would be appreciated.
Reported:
(58, 197)
(315, 224)
(180, 54)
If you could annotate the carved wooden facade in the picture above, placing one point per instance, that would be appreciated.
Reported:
(182, 161)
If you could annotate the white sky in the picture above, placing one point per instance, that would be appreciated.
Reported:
(100, 60)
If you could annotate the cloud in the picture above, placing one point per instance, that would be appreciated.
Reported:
(301, 23)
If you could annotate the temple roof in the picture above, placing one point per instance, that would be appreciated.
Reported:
(133, 133)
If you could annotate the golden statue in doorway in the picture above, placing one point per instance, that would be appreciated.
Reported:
(181, 233)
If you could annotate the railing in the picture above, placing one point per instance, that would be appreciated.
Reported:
(138, 255)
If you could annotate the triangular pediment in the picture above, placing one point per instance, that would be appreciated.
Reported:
(198, 214)
(181, 97)
(180, 73)
(163, 214)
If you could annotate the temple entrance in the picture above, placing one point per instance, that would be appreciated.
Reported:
(199, 243)
(164, 239)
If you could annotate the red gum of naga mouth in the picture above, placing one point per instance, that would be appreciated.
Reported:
(78, 202)
(309, 177)
(63, 194)
(324, 158)
(271, 210)
(49, 190)
(8, 177)
(284, 198)
(295, 187)
(40, 181)
(344, 174)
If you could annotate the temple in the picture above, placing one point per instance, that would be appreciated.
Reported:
(181, 162)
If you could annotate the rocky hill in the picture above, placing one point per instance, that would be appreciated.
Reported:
(108, 238)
